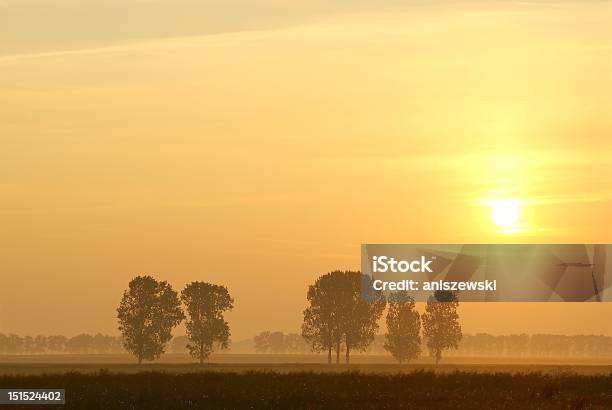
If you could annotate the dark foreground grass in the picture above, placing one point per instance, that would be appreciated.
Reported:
(421, 389)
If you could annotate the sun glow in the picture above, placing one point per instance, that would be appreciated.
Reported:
(506, 213)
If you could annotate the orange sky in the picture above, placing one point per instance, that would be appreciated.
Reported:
(262, 151)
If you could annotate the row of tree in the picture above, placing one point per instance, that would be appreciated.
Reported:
(151, 309)
(479, 345)
(519, 345)
(544, 345)
(83, 343)
(340, 319)
(279, 342)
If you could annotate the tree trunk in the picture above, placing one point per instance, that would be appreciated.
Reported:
(338, 352)
(348, 350)
(329, 354)
(140, 353)
(438, 356)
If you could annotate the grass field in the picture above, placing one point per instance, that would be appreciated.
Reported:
(283, 381)
(420, 389)
(284, 363)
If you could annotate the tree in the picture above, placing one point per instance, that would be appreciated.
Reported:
(179, 344)
(56, 343)
(262, 342)
(517, 345)
(319, 326)
(147, 313)
(14, 344)
(403, 339)
(337, 313)
(295, 343)
(205, 304)
(276, 342)
(82, 343)
(28, 344)
(102, 343)
(441, 325)
(361, 316)
(40, 344)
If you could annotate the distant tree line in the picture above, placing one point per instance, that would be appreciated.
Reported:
(83, 344)
(279, 342)
(544, 345)
(471, 345)
(520, 345)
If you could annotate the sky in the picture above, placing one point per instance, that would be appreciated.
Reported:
(257, 144)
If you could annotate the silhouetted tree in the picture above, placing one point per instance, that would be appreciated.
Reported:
(206, 327)
(360, 317)
(403, 339)
(320, 318)
(441, 325)
(337, 314)
(148, 312)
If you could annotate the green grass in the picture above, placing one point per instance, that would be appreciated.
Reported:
(418, 389)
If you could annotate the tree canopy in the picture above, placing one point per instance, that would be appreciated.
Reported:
(206, 327)
(403, 339)
(337, 314)
(441, 325)
(147, 313)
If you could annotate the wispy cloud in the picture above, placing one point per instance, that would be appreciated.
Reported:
(175, 43)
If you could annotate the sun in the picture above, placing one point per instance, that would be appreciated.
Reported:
(505, 212)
